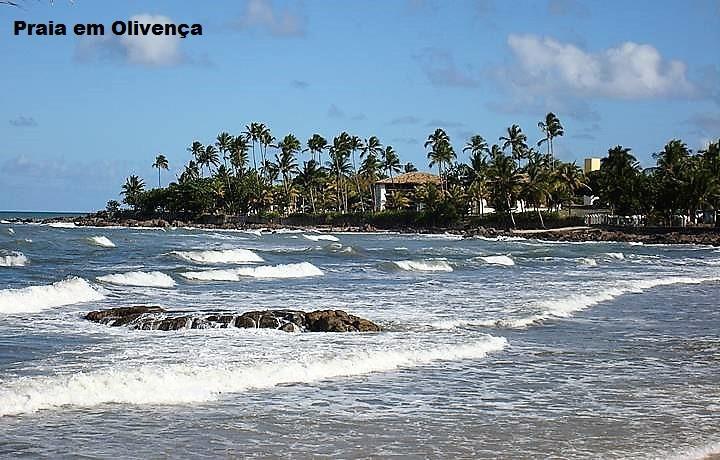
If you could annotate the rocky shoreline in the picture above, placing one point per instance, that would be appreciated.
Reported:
(691, 235)
(157, 318)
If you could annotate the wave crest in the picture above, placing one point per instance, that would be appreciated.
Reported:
(13, 259)
(299, 270)
(102, 241)
(422, 265)
(223, 256)
(139, 278)
(183, 384)
(321, 237)
(498, 260)
(36, 298)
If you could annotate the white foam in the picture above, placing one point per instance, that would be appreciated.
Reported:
(10, 231)
(615, 255)
(227, 256)
(299, 270)
(498, 260)
(184, 384)
(589, 261)
(565, 307)
(321, 237)
(139, 278)
(36, 298)
(13, 259)
(62, 224)
(423, 265)
(102, 241)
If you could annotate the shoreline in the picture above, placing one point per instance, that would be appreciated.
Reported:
(642, 235)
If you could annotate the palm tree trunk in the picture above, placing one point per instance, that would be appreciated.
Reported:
(512, 218)
(158, 177)
(542, 223)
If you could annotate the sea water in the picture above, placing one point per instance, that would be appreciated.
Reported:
(510, 348)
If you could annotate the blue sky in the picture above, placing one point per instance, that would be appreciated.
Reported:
(79, 114)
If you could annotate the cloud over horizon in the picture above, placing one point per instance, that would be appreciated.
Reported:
(22, 121)
(628, 71)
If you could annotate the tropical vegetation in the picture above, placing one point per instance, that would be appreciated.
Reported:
(253, 173)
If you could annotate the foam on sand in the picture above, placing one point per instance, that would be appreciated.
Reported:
(184, 384)
(226, 256)
(13, 259)
(321, 237)
(567, 306)
(422, 265)
(102, 241)
(139, 278)
(498, 260)
(36, 298)
(299, 270)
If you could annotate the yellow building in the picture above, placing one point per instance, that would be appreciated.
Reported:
(592, 164)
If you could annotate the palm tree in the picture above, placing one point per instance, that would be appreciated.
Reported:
(132, 190)
(339, 165)
(253, 133)
(357, 144)
(160, 163)
(238, 153)
(409, 167)
(222, 143)
(309, 179)
(517, 141)
(391, 162)
(477, 146)
(208, 158)
(266, 139)
(506, 182)
(196, 149)
(570, 179)
(371, 151)
(289, 146)
(441, 152)
(551, 128)
(315, 145)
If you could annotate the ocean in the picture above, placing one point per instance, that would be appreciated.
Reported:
(491, 348)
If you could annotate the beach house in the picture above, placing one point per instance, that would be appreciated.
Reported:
(406, 183)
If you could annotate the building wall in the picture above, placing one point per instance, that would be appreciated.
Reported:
(592, 164)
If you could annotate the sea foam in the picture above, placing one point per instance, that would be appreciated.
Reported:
(184, 384)
(102, 241)
(498, 260)
(36, 298)
(422, 265)
(565, 307)
(62, 224)
(13, 259)
(139, 278)
(321, 237)
(299, 270)
(226, 256)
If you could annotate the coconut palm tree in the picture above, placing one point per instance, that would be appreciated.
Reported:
(315, 145)
(339, 165)
(409, 167)
(208, 158)
(309, 178)
(477, 145)
(551, 128)
(132, 189)
(285, 161)
(223, 143)
(441, 152)
(506, 182)
(253, 133)
(160, 163)
(390, 162)
(517, 141)
(357, 144)
(196, 149)
(238, 154)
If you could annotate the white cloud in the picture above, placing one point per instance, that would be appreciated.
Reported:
(628, 71)
(261, 14)
(149, 51)
(152, 50)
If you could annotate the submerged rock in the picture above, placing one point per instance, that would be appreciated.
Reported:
(156, 318)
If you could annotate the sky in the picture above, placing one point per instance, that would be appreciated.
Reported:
(80, 114)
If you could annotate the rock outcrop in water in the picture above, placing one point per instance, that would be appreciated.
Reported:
(157, 318)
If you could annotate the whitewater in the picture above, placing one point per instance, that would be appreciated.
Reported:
(490, 348)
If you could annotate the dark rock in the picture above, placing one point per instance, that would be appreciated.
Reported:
(156, 318)
(245, 321)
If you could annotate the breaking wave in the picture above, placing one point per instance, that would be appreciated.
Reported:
(36, 298)
(62, 224)
(183, 384)
(102, 241)
(138, 278)
(422, 265)
(321, 237)
(564, 308)
(615, 255)
(226, 256)
(299, 270)
(13, 259)
(498, 260)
